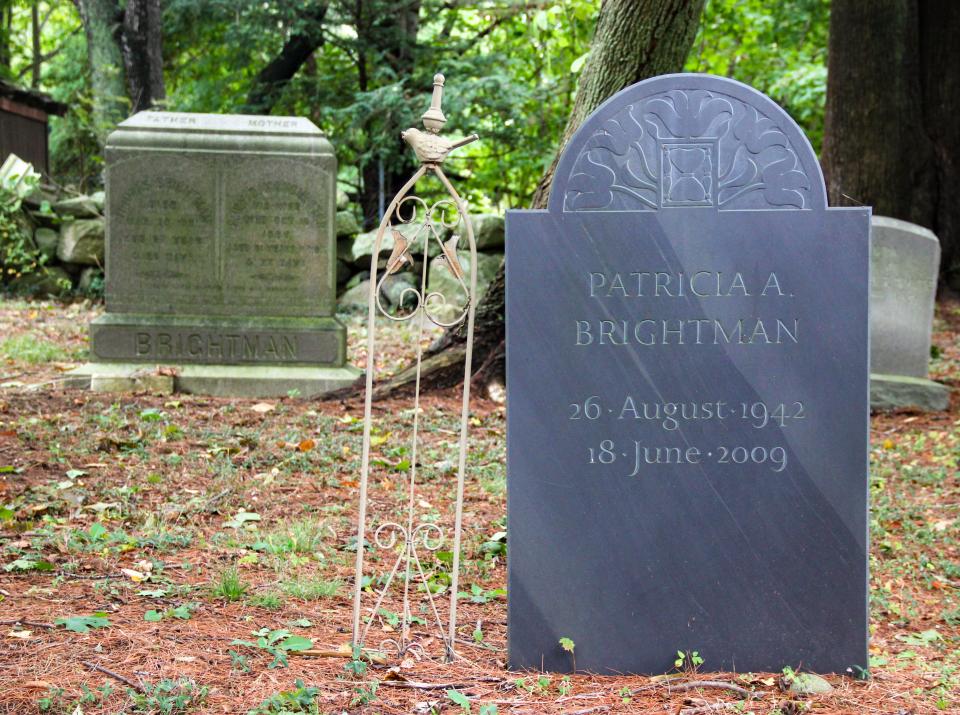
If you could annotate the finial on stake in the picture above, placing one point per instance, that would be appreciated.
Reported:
(429, 146)
(433, 118)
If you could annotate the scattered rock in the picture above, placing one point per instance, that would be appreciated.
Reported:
(342, 199)
(362, 247)
(394, 287)
(78, 207)
(346, 224)
(46, 240)
(442, 280)
(91, 280)
(488, 232)
(355, 298)
(891, 392)
(809, 684)
(49, 281)
(82, 242)
(344, 272)
(99, 198)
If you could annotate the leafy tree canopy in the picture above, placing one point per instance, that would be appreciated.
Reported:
(512, 69)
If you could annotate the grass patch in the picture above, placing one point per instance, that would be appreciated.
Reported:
(310, 589)
(299, 537)
(30, 350)
(270, 601)
(229, 586)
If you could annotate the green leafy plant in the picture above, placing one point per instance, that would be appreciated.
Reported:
(301, 699)
(459, 699)
(688, 660)
(18, 254)
(569, 646)
(83, 624)
(229, 586)
(365, 693)
(168, 697)
(277, 643)
(183, 612)
(356, 666)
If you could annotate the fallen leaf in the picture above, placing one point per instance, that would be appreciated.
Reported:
(306, 445)
(134, 576)
(23, 635)
(263, 407)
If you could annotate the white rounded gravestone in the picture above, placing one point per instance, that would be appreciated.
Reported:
(904, 262)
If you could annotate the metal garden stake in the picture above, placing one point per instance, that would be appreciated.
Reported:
(408, 538)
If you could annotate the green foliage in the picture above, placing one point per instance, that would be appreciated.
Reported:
(300, 700)
(168, 697)
(229, 586)
(277, 643)
(310, 589)
(512, 71)
(780, 48)
(18, 254)
(83, 624)
(688, 660)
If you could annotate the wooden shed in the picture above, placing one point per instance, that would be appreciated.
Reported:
(23, 124)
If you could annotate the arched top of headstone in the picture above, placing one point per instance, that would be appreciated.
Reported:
(688, 140)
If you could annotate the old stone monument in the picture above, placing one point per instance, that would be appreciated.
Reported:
(220, 257)
(904, 262)
(687, 362)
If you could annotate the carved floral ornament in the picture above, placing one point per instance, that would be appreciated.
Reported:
(718, 144)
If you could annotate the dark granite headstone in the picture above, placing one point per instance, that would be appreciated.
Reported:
(688, 395)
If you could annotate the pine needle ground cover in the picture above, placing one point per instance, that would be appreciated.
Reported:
(179, 554)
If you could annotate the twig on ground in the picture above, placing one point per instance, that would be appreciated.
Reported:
(21, 622)
(116, 676)
(481, 646)
(718, 684)
(321, 653)
(422, 686)
(716, 707)
(586, 711)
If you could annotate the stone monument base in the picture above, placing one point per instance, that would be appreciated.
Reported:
(891, 392)
(214, 380)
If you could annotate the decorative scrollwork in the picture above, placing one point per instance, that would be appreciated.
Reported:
(436, 307)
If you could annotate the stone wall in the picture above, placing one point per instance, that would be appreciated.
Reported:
(354, 249)
(68, 232)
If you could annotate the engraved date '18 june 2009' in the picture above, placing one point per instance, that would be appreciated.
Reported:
(669, 416)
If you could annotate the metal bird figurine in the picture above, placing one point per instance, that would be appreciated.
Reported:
(429, 146)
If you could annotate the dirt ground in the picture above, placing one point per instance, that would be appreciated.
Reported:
(142, 535)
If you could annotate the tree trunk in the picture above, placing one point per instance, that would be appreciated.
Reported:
(142, 48)
(387, 31)
(37, 55)
(633, 40)
(101, 24)
(271, 80)
(891, 135)
(940, 60)
(6, 21)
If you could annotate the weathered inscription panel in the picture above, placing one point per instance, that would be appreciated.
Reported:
(225, 344)
(229, 235)
(688, 387)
